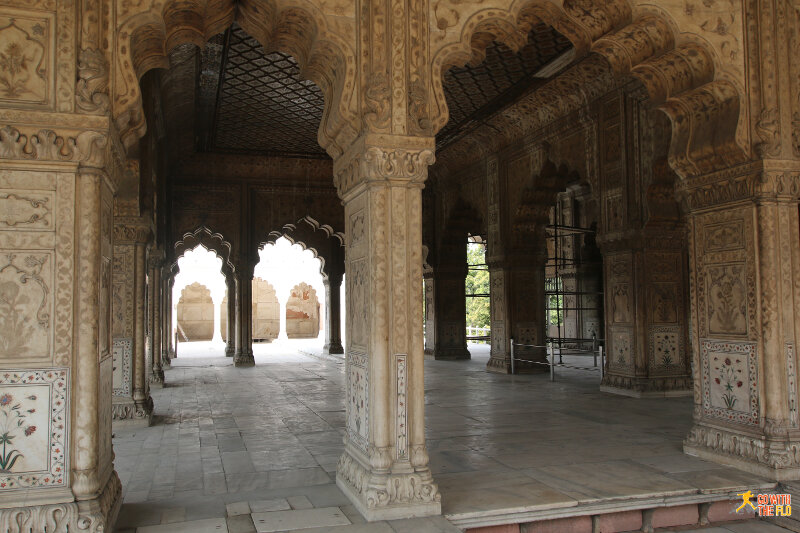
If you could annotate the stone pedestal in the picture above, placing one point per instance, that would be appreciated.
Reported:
(333, 323)
(384, 469)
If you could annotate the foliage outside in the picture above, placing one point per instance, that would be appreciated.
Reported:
(477, 282)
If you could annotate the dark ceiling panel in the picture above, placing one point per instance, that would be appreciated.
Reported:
(263, 106)
(474, 93)
(259, 104)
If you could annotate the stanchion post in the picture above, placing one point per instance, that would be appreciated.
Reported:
(602, 363)
(176, 343)
(594, 347)
(552, 361)
(512, 355)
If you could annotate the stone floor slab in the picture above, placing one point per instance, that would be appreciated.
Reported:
(303, 519)
(211, 525)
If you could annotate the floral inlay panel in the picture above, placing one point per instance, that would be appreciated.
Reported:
(122, 354)
(34, 428)
(26, 304)
(730, 381)
(666, 349)
(26, 57)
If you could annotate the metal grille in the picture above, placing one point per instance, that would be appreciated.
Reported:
(473, 93)
(264, 107)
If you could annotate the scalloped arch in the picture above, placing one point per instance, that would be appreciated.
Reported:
(309, 234)
(680, 79)
(148, 32)
(205, 237)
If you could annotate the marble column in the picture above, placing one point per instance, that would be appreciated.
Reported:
(645, 309)
(244, 318)
(517, 308)
(166, 318)
(132, 405)
(157, 375)
(745, 306)
(230, 325)
(170, 325)
(384, 469)
(333, 327)
(141, 385)
(450, 305)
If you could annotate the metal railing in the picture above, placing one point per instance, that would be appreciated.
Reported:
(479, 335)
(551, 359)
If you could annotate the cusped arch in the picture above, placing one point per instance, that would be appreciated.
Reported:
(205, 237)
(321, 239)
(148, 31)
(679, 75)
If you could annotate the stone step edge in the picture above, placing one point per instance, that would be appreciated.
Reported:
(543, 512)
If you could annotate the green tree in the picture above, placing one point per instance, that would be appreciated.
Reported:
(477, 282)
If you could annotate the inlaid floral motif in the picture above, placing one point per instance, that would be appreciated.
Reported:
(730, 381)
(729, 378)
(14, 426)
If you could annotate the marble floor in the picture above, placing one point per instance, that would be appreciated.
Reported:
(255, 449)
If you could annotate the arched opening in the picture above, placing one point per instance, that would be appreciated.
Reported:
(198, 291)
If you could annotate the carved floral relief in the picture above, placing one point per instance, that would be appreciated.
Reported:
(33, 428)
(25, 305)
(358, 399)
(26, 58)
(122, 355)
(727, 299)
(26, 211)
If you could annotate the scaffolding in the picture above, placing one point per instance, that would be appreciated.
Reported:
(561, 260)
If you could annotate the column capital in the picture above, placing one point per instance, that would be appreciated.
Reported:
(760, 179)
(396, 160)
(132, 230)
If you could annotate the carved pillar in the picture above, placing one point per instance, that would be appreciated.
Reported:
(166, 317)
(154, 279)
(170, 325)
(244, 318)
(646, 326)
(230, 325)
(745, 301)
(333, 327)
(384, 469)
(132, 404)
(450, 304)
(517, 308)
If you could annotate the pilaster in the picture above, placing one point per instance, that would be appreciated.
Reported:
(132, 404)
(333, 323)
(244, 318)
(384, 469)
(154, 287)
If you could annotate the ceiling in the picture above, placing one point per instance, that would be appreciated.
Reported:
(254, 103)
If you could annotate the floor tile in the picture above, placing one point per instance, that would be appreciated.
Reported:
(294, 520)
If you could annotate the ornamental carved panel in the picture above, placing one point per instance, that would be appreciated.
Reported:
(664, 302)
(121, 357)
(27, 64)
(358, 399)
(37, 226)
(726, 290)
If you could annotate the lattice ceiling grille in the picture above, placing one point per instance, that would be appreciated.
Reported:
(259, 104)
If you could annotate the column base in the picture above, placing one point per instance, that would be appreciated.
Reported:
(90, 516)
(451, 354)
(130, 413)
(776, 458)
(229, 352)
(390, 495)
(157, 379)
(244, 360)
(660, 387)
(166, 363)
(335, 348)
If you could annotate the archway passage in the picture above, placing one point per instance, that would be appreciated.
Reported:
(195, 310)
